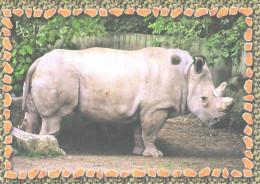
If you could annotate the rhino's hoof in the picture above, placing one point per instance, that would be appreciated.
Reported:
(153, 152)
(138, 151)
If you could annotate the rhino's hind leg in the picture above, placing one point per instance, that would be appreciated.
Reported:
(139, 144)
(30, 122)
(50, 125)
(32, 119)
(152, 122)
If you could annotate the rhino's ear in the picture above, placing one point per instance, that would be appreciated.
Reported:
(199, 62)
(175, 60)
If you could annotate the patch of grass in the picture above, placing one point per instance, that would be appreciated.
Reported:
(24, 153)
(54, 153)
(167, 164)
(36, 155)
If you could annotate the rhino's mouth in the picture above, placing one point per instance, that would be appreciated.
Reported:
(213, 122)
(218, 121)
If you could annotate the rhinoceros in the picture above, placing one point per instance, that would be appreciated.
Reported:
(143, 87)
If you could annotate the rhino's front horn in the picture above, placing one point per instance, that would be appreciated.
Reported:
(227, 103)
(220, 90)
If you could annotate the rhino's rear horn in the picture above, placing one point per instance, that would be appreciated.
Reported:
(199, 62)
(175, 60)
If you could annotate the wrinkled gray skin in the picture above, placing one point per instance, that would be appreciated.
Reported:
(144, 87)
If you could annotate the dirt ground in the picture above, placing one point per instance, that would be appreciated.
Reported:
(185, 141)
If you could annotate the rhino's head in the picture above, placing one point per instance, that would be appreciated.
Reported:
(204, 100)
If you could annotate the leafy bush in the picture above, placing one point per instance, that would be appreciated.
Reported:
(38, 36)
(127, 24)
(222, 37)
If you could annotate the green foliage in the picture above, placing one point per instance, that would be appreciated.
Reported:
(182, 30)
(223, 38)
(127, 24)
(54, 153)
(35, 155)
(24, 153)
(167, 164)
(228, 41)
(39, 36)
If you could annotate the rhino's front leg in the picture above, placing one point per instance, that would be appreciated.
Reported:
(152, 122)
(139, 144)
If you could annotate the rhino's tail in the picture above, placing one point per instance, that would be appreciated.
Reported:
(27, 81)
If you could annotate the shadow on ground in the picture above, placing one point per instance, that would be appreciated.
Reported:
(183, 136)
(185, 141)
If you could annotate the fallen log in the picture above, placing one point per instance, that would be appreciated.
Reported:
(34, 144)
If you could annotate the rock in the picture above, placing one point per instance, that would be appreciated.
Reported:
(34, 144)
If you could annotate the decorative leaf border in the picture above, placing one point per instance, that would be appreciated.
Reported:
(206, 174)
